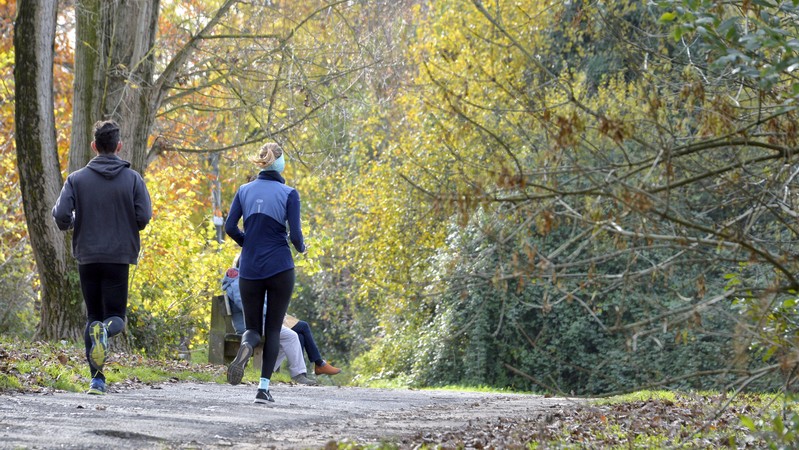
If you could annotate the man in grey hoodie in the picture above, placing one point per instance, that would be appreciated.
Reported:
(107, 204)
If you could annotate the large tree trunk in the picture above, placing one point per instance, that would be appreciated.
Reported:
(86, 85)
(40, 178)
(114, 75)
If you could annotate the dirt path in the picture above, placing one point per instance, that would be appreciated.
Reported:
(207, 415)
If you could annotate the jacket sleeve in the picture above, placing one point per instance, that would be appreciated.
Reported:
(232, 222)
(142, 203)
(63, 211)
(293, 215)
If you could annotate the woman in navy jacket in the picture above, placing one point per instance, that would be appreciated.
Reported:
(269, 210)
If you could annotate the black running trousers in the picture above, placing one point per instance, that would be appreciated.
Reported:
(105, 290)
(276, 290)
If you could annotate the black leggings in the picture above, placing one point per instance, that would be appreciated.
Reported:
(105, 292)
(276, 290)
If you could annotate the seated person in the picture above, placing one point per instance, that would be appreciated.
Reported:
(303, 330)
(290, 343)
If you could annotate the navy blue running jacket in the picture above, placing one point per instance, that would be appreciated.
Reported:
(270, 209)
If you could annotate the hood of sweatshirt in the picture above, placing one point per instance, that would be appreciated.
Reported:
(108, 166)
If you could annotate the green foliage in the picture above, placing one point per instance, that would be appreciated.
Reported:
(777, 422)
(8, 383)
(533, 336)
(17, 298)
(754, 42)
(591, 255)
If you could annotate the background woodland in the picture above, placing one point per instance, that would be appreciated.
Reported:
(584, 197)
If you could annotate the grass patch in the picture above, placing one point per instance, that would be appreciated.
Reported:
(8, 382)
(41, 366)
(639, 396)
(398, 382)
(200, 355)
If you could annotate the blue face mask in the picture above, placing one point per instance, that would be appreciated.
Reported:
(278, 165)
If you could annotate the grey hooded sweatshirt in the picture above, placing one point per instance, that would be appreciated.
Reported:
(107, 204)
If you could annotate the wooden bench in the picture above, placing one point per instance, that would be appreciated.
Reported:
(223, 342)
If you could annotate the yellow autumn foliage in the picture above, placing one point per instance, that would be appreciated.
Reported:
(181, 264)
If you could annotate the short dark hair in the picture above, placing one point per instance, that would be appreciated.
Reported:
(106, 136)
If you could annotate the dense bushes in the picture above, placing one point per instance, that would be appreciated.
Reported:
(492, 337)
(525, 334)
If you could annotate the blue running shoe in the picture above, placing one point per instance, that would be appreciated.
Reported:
(96, 387)
(99, 337)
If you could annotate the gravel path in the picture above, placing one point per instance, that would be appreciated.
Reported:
(208, 415)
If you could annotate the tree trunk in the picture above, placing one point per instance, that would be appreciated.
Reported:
(62, 314)
(114, 75)
(86, 84)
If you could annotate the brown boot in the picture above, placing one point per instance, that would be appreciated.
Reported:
(326, 369)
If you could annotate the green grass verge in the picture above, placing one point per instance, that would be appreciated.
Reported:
(37, 366)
